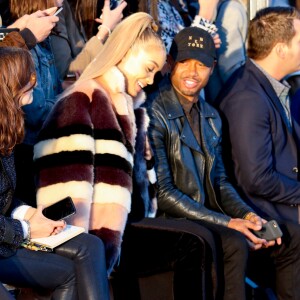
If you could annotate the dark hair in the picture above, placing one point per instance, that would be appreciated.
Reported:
(17, 70)
(270, 26)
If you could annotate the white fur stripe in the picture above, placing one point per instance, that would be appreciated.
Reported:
(107, 193)
(151, 175)
(55, 192)
(73, 142)
(113, 147)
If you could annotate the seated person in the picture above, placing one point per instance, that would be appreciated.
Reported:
(186, 133)
(76, 269)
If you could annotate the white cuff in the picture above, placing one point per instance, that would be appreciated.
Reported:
(20, 212)
(25, 229)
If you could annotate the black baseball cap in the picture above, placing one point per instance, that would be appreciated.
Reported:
(194, 43)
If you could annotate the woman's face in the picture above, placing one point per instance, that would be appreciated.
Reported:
(140, 66)
(27, 96)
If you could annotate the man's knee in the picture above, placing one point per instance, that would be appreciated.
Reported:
(237, 248)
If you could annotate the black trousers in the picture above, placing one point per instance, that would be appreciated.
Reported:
(279, 266)
(193, 251)
(76, 270)
(208, 261)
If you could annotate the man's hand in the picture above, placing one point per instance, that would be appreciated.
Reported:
(39, 23)
(217, 40)
(255, 223)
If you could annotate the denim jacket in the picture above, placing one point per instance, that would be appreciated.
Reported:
(44, 94)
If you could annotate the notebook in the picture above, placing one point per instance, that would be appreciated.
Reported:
(47, 244)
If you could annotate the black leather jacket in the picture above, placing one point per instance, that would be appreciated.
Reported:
(179, 157)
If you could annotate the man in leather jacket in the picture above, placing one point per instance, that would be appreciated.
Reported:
(185, 133)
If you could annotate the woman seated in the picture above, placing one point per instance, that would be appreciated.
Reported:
(76, 269)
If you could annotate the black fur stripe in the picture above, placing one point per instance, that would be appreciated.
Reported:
(114, 161)
(64, 158)
(66, 131)
(114, 135)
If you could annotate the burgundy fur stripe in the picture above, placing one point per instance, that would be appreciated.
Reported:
(102, 113)
(73, 109)
(77, 172)
(113, 176)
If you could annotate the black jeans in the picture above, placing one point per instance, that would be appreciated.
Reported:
(187, 249)
(231, 260)
(76, 270)
(283, 261)
(209, 261)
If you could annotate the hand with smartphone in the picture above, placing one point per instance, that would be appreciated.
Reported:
(60, 210)
(270, 231)
(40, 226)
(112, 13)
(257, 231)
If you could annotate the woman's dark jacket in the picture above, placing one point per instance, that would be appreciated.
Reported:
(11, 233)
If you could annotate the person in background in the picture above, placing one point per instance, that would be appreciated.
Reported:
(31, 29)
(73, 49)
(109, 19)
(230, 18)
(166, 14)
(44, 94)
(261, 135)
(76, 269)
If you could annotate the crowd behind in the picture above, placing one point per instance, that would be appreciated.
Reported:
(174, 127)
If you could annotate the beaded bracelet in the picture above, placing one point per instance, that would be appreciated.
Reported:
(249, 215)
(107, 28)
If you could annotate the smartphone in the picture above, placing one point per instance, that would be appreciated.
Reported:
(5, 31)
(60, 210)
(58, 11)
(269, 231)
(114, 3)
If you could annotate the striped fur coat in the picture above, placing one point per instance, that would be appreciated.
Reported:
(87, 149)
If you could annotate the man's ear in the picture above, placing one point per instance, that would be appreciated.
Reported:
(213, 67)
(280, 50)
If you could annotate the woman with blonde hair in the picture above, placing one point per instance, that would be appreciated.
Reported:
(93, 145)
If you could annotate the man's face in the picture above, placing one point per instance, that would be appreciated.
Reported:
(188, 77)
(293, 53)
